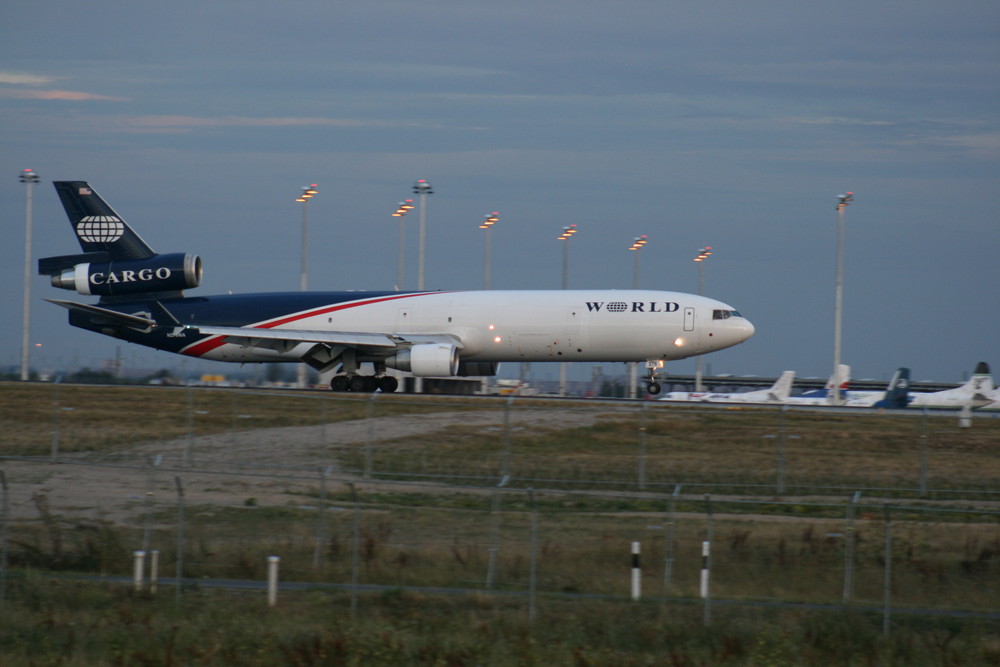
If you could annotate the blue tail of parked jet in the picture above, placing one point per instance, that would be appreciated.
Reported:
(897, 393)
(115, 261)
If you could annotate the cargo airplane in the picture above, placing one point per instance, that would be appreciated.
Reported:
(429, 334)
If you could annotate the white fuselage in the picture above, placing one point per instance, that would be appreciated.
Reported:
(530, 325)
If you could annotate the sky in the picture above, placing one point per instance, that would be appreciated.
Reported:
(725, 123)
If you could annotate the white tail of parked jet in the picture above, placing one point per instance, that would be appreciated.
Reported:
(977, 392)
(776, 393)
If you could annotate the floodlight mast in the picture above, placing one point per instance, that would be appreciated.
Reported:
(489, 220)
(637, 243)
(422, 188)
(29, 178)
(567, 233)
(838, 308)
(703, 255)
(401, 211)
(308, 192)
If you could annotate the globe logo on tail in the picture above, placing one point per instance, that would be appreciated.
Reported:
(100, 229)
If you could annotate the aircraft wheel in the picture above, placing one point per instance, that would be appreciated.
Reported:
(371, 384)
(653, 388)
(358, 383)
(338, 383)
(388, 384)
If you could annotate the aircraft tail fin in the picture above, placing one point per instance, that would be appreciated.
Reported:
(979, 386)
(781, 389)
(98, 228)
(839, 380)
(896, 393)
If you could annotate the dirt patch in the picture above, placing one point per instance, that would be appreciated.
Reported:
(268, 466)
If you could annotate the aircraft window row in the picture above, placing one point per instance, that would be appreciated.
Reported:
(724, 314)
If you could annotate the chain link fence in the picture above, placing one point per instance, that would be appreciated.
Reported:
(507, 496)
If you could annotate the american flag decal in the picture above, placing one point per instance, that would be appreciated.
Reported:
(85, 191)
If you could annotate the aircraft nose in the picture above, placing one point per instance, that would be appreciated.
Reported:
(746, 329)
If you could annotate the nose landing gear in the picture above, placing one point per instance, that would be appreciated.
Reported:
(652, 386)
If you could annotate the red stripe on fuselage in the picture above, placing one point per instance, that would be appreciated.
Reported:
(203, 347)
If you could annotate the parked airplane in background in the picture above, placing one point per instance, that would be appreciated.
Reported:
(977, 392)
(436, 334)
(894, 396)
(822, 396)
(777, 393)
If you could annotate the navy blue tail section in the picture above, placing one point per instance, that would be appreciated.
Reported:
(115, 264)
(897, 394)
(98, 228)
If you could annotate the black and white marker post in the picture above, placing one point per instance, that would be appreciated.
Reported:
(636, 573)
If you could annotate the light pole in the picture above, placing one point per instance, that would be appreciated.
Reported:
(401, 211)
(488, 222)
(636, 246)
(308, 192)
(567, 233)
(838, 308)
(637, 243)
(29, 178)
(422, 188)
(703, 254)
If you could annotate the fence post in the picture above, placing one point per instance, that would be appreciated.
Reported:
(154, 570)
(138, 565)
(923, 456)
(533, 571)
(3, 537)
(505, 454)
(850, 539)
(147, 527)
(369, 454)
(642, 447)
(494, 550)
(887, 574)
(965, 417)
(179, 565)
(636, 573)
(189, 442)
(671, 539)
(355, 550)
(706, 562)
(272, 580)
(320, 522)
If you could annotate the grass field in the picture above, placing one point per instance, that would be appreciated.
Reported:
(427, 513)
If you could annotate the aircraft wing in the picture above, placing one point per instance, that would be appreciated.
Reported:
(386, 341)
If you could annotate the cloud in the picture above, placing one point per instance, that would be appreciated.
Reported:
(183, 123)
(65, 95)
(18, 79)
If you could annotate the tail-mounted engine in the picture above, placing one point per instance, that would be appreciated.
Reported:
(94, 273)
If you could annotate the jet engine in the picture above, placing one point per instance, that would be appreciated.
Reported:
(159, 273)
(426, 360)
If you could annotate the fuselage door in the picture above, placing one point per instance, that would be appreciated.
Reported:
(689, 318)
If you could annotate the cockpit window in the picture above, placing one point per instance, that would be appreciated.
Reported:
(724, 314)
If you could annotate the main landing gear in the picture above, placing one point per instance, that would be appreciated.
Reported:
(364, 384)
